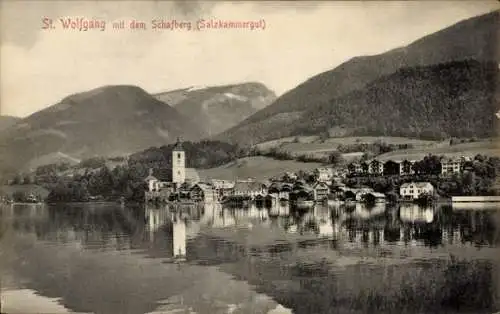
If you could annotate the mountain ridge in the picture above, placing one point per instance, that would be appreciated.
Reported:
(113, 119)
(474, 38)
(217, 108)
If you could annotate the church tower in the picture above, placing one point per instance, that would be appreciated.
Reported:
(178, 164)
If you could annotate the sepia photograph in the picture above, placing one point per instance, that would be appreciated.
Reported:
(249, 157)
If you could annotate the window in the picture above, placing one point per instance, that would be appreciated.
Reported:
(178, 155)
(178, 173)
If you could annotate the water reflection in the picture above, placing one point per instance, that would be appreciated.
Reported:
(401, 259)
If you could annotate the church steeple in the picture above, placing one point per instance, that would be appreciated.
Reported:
(178, 145)
(178, 163)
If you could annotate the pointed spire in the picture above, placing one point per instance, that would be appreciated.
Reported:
(178, 145)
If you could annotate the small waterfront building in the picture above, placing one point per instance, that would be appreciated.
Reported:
(379, 197)
(413, 190)
(321, 191)
(280, 190)
(249, 188)
(152, 182)
(202, 192)
(223, 188)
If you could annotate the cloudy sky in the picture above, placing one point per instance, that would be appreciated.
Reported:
(39, 67)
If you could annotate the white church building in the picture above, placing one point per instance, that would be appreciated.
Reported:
(168, 181)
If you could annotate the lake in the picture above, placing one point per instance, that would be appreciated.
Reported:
(104, 258)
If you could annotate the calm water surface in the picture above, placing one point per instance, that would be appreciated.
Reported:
(207, 259)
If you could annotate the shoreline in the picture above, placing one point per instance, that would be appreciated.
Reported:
(25, 301)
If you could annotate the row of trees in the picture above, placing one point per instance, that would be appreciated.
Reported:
(122, 181)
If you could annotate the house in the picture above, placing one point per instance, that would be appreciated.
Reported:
(375, 167)
(223, 188)
(453, 165)
(354, 168)
(152, 182)
(413, 190)
(337, 188)
(379, 197)
(321, 191)
(323, 174)
(406, 167)
(249, 188)
(280, 190)
(202, 192)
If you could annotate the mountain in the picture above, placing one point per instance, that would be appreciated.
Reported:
(7, 121)
(472, 39)
(218, 108)
(105, 121)
(455, 99)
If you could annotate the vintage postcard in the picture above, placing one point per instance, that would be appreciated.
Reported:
(249, 157)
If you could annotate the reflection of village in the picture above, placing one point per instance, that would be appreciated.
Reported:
(167, 230)
(171, 228)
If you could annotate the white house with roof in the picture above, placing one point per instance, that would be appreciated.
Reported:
(413, 190)
(152, 182)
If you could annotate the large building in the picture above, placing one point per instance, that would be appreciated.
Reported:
(163, 182)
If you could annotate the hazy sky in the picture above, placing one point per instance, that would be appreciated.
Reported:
(39, 67)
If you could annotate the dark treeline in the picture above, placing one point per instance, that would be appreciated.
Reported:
(201, 155)
(103, 184)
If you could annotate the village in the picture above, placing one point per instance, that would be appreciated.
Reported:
(323, 185)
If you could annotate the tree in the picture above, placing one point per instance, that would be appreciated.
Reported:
(18, 196)
(335, 158)
(369, 199)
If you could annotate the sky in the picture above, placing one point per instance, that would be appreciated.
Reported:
(39, 67)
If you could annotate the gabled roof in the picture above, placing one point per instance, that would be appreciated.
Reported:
(320, 184)
(150, 177)
(203, 186)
